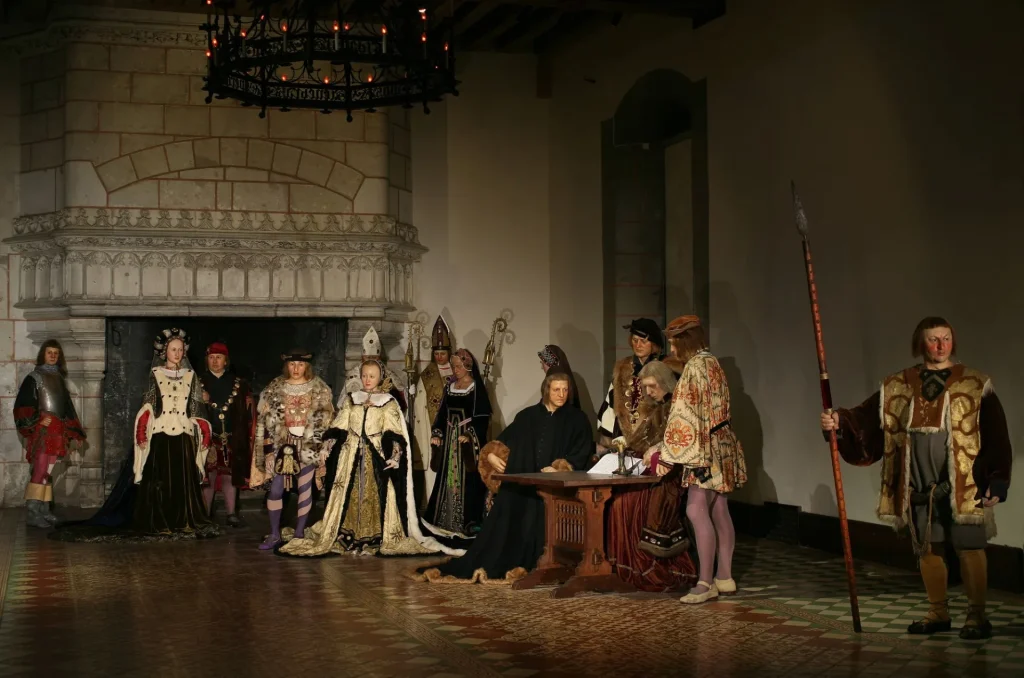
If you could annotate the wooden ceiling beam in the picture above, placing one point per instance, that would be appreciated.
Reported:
(525, 39)
(482, 9)
(444, 9)
(570, 30)
(681, 8)
(487, 38)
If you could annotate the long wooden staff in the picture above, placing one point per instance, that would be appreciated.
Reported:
(826, 403)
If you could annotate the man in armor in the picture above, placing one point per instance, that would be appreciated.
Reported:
(46, 419)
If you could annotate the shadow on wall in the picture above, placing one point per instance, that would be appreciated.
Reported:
(823, 501)
(746, 421)
(582, 348)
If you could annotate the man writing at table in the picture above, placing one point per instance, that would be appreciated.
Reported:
(548, 436)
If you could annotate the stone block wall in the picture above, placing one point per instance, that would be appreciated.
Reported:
(106, 125)
(125, 193)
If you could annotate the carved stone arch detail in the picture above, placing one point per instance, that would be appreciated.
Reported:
(182, 260)
(312, 167)
(126, 259)
(233, 261)
(98, 259)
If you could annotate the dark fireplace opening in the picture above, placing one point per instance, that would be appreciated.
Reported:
(255, 346)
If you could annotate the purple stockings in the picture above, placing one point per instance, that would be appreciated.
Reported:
(713, 531)
(275, 505)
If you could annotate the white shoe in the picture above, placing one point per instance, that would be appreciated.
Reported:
(726, 587)
(698, 598)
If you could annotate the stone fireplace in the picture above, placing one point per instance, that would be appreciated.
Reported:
(139, 200)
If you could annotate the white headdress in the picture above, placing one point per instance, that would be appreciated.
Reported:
(371, 343)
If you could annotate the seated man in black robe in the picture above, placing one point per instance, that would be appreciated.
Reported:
(548, 436)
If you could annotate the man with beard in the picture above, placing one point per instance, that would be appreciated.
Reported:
(940, 432)
(231, 413)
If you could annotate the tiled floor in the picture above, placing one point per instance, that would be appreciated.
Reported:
(220, 608)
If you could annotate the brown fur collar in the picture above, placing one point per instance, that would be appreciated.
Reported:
(651, 428)
(624, 382)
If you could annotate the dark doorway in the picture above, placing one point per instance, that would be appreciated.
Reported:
(655, 206)
(256, 345)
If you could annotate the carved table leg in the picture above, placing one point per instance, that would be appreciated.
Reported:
(594, 572)
(548, 569)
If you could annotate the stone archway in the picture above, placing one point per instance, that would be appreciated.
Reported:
(655, 204)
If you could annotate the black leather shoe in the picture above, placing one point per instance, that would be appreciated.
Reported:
(926, 627)
(977, 631)
(234, 521)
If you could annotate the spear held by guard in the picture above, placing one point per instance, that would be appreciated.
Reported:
(826, 403)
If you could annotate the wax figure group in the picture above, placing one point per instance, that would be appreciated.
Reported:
(938, 428)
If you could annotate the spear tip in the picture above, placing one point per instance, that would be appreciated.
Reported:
(798, 211)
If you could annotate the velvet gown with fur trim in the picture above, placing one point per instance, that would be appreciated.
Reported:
(371, 508)
(512, 537)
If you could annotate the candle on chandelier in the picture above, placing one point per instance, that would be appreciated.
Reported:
(337, 37)
(384, 39)
(284, 33)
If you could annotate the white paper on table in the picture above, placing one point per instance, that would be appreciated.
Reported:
(609, 463)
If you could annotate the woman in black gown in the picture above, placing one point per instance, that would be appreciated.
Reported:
(159, 492)
(457, 436)
(548, 436)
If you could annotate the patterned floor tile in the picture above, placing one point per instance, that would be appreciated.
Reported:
(222, 608)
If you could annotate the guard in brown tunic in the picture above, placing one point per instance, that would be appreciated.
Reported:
(940, 432)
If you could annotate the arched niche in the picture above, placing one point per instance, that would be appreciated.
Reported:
(655, 205)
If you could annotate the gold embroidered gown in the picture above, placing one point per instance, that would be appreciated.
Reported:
(371, 508)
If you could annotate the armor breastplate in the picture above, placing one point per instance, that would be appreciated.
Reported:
(52, 392)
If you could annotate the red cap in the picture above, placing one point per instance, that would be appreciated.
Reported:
(217, 348)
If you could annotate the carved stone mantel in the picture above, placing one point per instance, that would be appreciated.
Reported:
(142, 199)
(140, 261)
(82, 265)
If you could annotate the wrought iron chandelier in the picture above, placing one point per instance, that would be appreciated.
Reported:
(328, 54)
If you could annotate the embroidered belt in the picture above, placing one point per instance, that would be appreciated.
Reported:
(719, 427)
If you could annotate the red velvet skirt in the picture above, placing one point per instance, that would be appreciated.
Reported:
(627, 515)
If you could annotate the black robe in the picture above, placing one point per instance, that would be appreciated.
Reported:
(513, 532)
(238, 422)
(458, 497)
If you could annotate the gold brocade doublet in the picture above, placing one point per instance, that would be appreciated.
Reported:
(433, 387)
(910, 406)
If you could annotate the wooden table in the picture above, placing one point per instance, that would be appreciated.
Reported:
(574, 509)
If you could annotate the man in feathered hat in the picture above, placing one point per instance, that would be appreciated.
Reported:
(232, 414)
